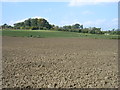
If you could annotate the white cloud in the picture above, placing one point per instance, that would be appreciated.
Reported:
(102, 23)
(113, 23)
(11, 22)
(94, 23)
(89, 23)
(88, 2)
(35, 0)
(64, 22)
(22, 20)
(115, 20)
(80, 3)
(71, 1)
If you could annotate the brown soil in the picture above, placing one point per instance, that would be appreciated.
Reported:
(59, 63)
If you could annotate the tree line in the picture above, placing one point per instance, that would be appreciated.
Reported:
(43, 24)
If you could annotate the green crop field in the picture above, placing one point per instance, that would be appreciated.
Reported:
(51, 33)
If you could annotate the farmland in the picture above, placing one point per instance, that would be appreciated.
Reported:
(53, 33)
(58, 62)
(71, 44)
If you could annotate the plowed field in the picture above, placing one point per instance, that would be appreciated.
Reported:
(59, 62)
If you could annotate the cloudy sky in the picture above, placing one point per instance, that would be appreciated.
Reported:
(90, 13)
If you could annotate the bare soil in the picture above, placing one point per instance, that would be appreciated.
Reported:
(59, 63)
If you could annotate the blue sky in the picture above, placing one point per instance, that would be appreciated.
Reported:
(104, 15)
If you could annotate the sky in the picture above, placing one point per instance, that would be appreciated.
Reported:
(90, 13)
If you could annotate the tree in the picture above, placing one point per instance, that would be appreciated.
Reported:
(67, 27)
(4, 26)
(95, 30)
(39, 24)
(77, 26)
(81, 26)
(33, 24)
(27, 23)
(54, 27)
(85, 30)
(19, 25)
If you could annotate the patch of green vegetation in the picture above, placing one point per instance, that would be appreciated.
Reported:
(101, 36)
(0, 32)
(51, 33)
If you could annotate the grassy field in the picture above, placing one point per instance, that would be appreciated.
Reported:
(49, 34)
